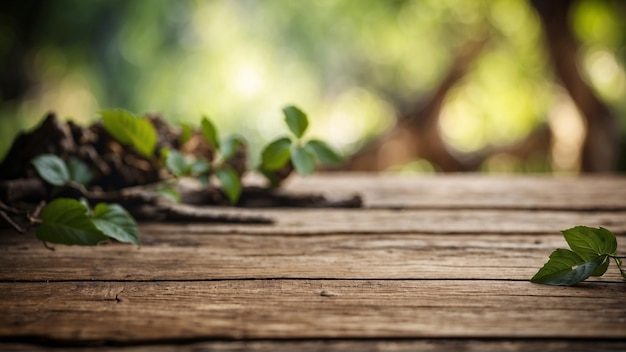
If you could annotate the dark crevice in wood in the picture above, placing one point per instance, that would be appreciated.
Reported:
(117, 296)
(461, 207)
(21, 281)
(44, 341)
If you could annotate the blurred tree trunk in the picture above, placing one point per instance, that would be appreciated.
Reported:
(416, 134)
(20, 28)
(601, 147)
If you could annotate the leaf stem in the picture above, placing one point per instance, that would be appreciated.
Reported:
(618, 262)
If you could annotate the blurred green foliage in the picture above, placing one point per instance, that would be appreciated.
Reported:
(352, 64)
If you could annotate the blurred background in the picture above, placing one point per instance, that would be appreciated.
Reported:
(403, 85)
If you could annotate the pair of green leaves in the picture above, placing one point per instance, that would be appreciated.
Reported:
(179, 166)
(56, 172)
(591, 250)
(68, 221)
(303, 155)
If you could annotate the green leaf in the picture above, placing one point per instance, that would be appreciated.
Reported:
(79, 171)
(210, 132)
(230, 145)
(296, 120)
(204, 179)
(115, 222)
(85, 202)
(131, 130)
(303, 160)
(176, 163)
(66, 221)
(566, 268)
(270, 175)
(276, 154)
(199, 166)
(52, 169)
(185, 133)
(603, 267)
(231, 185)
(323, 152)
(169, 193)
(589, 242)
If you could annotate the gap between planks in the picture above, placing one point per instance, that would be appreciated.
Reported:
(339, 345)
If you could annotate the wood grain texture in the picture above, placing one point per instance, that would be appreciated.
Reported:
(258, 309)
(471, 191)
(180, 256)
(431, 263)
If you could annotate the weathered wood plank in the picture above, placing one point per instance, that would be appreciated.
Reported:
(259, 309)
(438, 261)
(181, 256)
(383, 345)
(332, 221)
(471, 191)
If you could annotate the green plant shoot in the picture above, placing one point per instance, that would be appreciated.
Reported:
(302, 154)
(591, 250)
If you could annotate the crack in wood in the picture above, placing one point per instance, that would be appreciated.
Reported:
(117, 298)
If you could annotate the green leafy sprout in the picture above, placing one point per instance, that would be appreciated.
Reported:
(180, 165)
(590, 253)
(70, 221)
(302, 154)
(225, 150)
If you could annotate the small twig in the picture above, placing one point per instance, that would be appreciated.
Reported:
(48, 247)
(10, 221)
(38, 209)
(170, 211)
(143, 193)
(8, 209)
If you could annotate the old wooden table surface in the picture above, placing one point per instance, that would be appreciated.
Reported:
(430, 263)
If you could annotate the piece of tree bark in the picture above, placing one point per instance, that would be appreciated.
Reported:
(52, 136)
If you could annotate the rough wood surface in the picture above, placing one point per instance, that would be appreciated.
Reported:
(430, 263)
(467, 191)
(301, 222)
(241, 309)
(170, 255)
